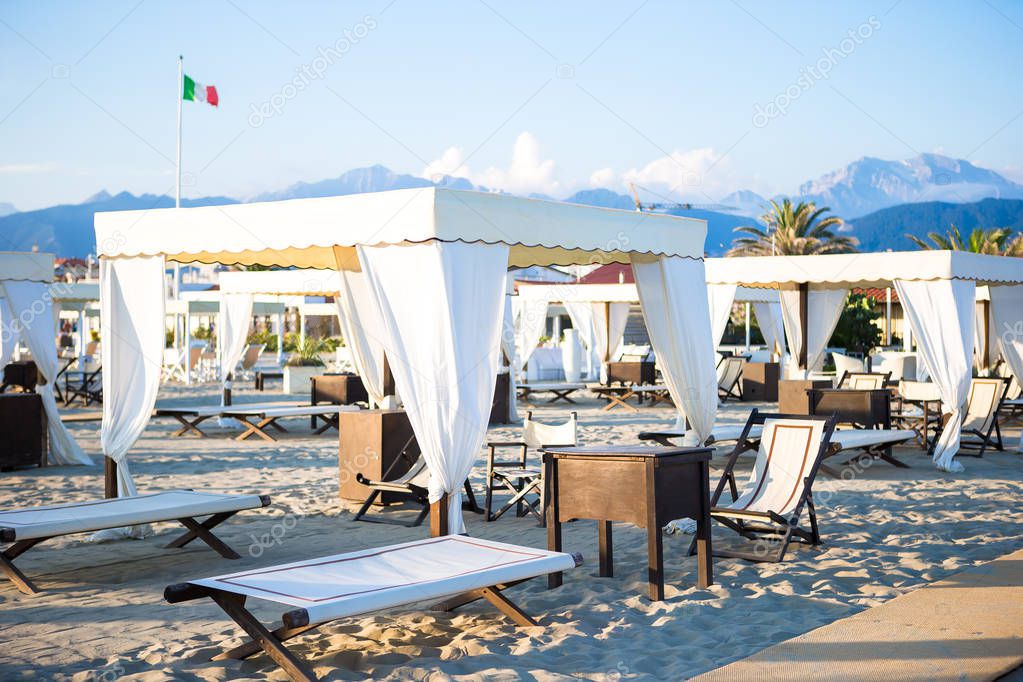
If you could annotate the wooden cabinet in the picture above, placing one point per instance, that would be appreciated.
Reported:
(22, 373)
(23, 425)
(792, 394)
(639, 373)
(369, 441)
(338, 389)
(863, 408)
(760, 381)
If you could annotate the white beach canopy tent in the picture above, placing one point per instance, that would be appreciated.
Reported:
(78, 301)
(354, 305)
(26, 314)
(435, 261)
(937, 290)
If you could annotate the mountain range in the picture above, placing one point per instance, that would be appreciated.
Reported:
(880, 200)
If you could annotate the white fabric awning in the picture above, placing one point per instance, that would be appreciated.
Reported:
(305, 232)
(842, 271)
(212, 307)
(26, 266)
(74, 292)
(621, 293)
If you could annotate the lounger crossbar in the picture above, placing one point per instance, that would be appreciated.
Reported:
(456, 569)
(191, 416)
(26, 528)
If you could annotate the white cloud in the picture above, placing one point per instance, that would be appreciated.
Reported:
(604, 177)
(451, 162)
(26, 168)
(527, 172)
(701, 174)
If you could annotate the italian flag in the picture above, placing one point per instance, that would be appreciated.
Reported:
(197, 92)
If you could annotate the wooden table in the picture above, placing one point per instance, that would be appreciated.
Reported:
(642, 485)
(263, 375)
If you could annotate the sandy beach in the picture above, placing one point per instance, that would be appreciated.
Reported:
(101, 616)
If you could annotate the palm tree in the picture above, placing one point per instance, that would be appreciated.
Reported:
(793, 230)
(997, 241)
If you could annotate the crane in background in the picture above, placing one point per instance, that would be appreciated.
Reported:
(671, 205)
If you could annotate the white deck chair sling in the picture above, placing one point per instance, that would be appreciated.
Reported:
(455, 568)
(729, 378)
(525, 482)
(770, 507)
(26, 528)
(980, 424)
(864, 381)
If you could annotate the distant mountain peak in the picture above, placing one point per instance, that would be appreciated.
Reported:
(99, 196)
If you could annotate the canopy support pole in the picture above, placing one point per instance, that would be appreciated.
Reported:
(888, 316)
(985, 350)
(280, 336)
(748, 305)
(804, 323)
(188, 347)
(109, 478)
(439, 517)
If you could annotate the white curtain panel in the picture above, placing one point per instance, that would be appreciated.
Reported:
(1007, 329)
(363, 330)
(530, 321)
(772, 326)
(720, 298)
(9, 335)
(508, 347)
(824, 307)
(581, 314)
(607, 334)
(34, 322)
(442, 304)
(941, 313)
(133, 335)
(235, 319)
(673, 293)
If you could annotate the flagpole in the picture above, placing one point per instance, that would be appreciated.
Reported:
(177, 191)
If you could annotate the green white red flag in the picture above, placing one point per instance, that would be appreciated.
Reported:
(197, 92)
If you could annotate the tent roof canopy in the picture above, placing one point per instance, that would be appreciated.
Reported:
(74, 292)
(307, 232)
(863, 269)
(22, 266)
(303, 282)
(621, 293)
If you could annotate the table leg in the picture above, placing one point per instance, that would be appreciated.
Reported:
(606, 550)
(704, 554)
(550, 476)
(655, 562)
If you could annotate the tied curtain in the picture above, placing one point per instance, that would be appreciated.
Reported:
(823, 308)
(9, 335)
(772, 325)
(235, 318)
(362, 328)
(941, 313)
(132, 328)
(34, 324)
(530, 316)
(609, 321)
(673, 293)
(508, 349)
(1007, 328)
(720, 298)
(581, 313)
(441, 304)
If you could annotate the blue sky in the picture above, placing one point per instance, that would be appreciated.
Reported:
(524, 96)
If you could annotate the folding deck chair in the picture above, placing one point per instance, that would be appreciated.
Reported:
(88, 384)
(980, 422)
(770, 507)
(720, 435)
(413, 485)
(729, 376)
(457, 569)
(26, 528)
(516, 476)
(864, 380)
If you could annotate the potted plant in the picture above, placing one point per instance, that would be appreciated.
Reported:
(304, 364)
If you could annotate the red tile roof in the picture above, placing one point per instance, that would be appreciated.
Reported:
(612, 273)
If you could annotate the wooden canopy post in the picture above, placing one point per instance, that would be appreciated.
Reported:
(439, 517)
(804, 310)
(109, 478)
(607, 340)
(227, 387)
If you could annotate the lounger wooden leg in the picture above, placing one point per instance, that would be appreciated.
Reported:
(251, 648)
(209, 523)
(187, 426)
(12, 572)
(605, 549)
(507, 607)
(234, 606)
(330, 423)
(255, 429)
(204, 534)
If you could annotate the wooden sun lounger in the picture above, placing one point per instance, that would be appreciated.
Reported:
(190, 416)
(26, 528)
(875, 443)
(457, 569)
(258, 419)
(561, 391)
(723, 433)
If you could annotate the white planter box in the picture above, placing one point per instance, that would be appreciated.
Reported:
(296, 379)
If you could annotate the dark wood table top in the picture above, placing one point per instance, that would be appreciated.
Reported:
(629, 451)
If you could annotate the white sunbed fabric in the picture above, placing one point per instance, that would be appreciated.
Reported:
(214, 410)
(551, 386)
(865, 382)
(295, 411)
(83, 517)
(850, 439)
(373, 579)
(726, 432)
(982, 402)
(788, 448)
